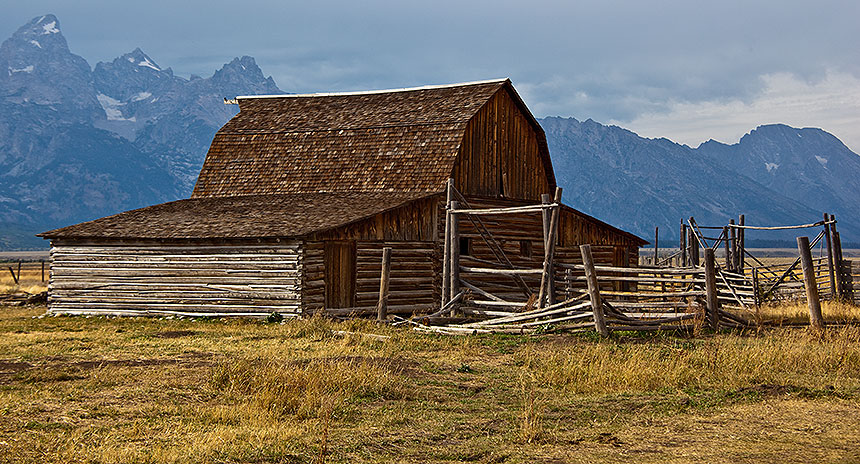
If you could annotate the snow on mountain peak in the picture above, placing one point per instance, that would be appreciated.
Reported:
(50, 28)
(149, 64)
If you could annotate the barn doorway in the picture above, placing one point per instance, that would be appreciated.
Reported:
(339, 274)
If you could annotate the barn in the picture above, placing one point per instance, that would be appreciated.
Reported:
(299, 194)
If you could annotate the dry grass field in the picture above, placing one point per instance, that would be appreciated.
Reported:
(30, 280)
(76, 389)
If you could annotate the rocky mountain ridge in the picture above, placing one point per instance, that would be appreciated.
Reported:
(77, 143)
(775, 175)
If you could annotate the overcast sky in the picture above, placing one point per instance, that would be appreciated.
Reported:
(686, 70)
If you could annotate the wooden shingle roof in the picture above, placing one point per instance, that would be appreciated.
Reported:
(393, 141)
(240, 217)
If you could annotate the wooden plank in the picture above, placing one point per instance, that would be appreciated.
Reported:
(593, 290)
(382, 306)
(711, 289)
(815, 318)
(454, 265)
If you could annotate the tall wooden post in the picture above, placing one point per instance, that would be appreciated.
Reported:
(593, 290)
(694, 247)
(446, 255)
(547, 276)
(837, 257)
(43, 270)
(683, 244)
(840, 267)
(756, 295)
(741, 244)
(733, 234)
(815, 318)
(454, 265)
(711, 289)
(545, 214)
(727, 248)
(830, 267)
(656, 246)
(382, 305)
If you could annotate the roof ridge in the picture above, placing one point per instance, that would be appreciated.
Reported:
(446, 122)
(373, 92)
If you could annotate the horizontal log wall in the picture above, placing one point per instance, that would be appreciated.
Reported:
(175, 278)
(414, 278)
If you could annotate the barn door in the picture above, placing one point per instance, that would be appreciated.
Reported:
(339, 274)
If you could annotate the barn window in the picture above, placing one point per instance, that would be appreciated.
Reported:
(465, 246)
(526, 248)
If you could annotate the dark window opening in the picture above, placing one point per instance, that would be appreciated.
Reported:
(525, 248)
(465, 246)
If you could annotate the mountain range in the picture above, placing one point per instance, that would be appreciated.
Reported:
(77, 143)
(80, 142)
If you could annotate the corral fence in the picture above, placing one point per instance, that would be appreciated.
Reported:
(685, 291)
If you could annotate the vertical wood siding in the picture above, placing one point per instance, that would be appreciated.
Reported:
(500, 155)
(155, 278)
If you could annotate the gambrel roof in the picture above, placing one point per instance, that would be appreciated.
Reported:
(403, 140)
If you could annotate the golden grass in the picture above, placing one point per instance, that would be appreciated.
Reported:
(30, 279)
(76, 389)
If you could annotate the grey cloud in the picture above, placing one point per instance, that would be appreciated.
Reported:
(625, 57)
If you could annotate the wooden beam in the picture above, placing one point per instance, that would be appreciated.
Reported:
(549, 250)
(683, 244)
(741, 244)
(656, 246)
(815, 318)
(711, 289)
(382, 306)
(446, 258)
(830, 267)
(454, 265)
(593, 290)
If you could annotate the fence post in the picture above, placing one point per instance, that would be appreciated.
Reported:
(593, 290)
(43, 270)
(837, 256)
(546, 281)
(726, 246)
(454, 266)
(755, 287)
(815, 318)
(742, 246)
(656, 247)
(382, 306)
(694, 247)
(15, 278)
(711, 289)
(446, 254)
(733, 241)
(830, 267)
(840, 268)
(683, 244)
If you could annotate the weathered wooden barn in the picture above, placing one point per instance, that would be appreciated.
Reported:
(300, 193)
